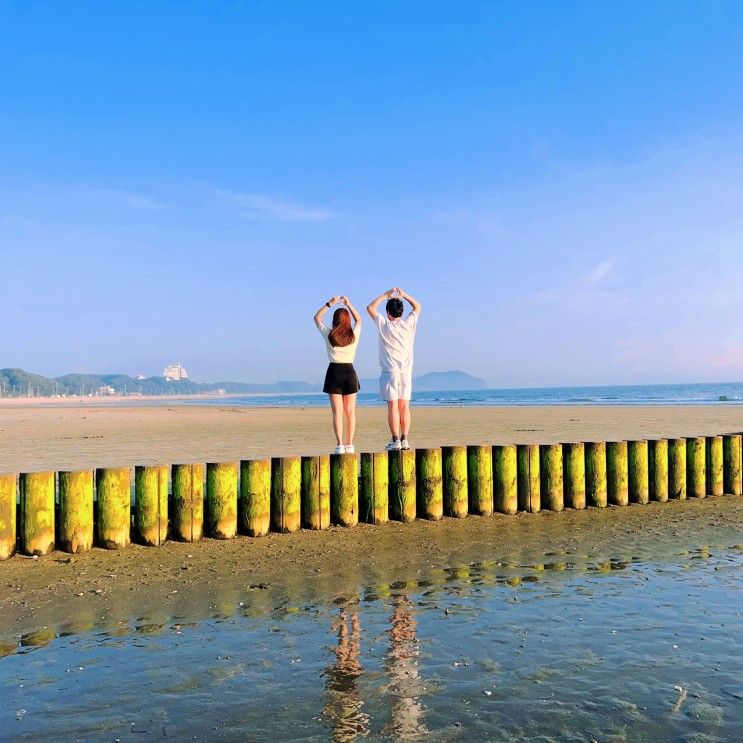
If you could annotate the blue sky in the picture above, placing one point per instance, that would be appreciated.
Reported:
(560, 184)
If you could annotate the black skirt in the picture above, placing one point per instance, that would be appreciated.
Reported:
(341, 379)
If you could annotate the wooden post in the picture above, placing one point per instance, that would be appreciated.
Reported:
(429, 486)
(529, 479)
(8, 487)
(596, 493)
(221, 499)
(677, 469)
(151, 500)
(113, 491)
(658, 469)
(373, 495)
(550, 465)
(75, 529)
(732, 455)
(696, 467)
(505, 487)
(315, 492)
(188, 502)
(402, 485)
(286, 485)
(638, 471)
(715, 483)
(344, 489)
(480, 479)
(574, 469)
(454, 459)
(617, 486)
(254, 502)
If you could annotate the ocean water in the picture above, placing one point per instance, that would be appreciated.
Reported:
(729, 393)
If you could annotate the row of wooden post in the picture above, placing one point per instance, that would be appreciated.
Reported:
(73, 511)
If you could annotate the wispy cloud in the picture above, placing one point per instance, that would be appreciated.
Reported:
(275, 208)
(599, 273)
(126, 198)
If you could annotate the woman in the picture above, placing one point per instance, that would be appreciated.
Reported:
(341, 382)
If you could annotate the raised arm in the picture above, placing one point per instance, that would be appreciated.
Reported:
(322, 310)
(373, 307)
(354, 312)
(414, 303)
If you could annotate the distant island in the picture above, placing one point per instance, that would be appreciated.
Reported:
(20, 383)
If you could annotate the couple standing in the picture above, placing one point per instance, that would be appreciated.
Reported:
(396, 336)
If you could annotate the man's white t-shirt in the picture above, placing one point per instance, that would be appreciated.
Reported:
(396, 342)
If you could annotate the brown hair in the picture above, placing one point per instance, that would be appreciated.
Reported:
(342, 332)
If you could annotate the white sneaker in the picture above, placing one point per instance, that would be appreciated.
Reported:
(340, 449)
(394, 445)
(404, 444)
(350, 449)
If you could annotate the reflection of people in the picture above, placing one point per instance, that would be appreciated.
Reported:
(406, 686)
(396, 336)
(345, 706)
(341, 381)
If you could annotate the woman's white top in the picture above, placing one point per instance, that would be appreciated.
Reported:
(340, 354)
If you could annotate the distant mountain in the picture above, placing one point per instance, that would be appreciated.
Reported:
(436, 382)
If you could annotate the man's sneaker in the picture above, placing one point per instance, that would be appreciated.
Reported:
(350, 449)
(340, 449)
(394, 445)
(404, 444)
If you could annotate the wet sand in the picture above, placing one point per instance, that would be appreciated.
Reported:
(37, 437)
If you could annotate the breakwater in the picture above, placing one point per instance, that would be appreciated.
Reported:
(110, 507)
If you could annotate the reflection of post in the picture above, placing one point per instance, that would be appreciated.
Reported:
(406, 686)
(345, 706)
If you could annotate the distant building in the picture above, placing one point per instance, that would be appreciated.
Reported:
(104, 390)
(141, 376)
(175, 372)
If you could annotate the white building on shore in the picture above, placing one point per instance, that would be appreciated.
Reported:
(175, 372)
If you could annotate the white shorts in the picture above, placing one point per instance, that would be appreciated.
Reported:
(395, 386)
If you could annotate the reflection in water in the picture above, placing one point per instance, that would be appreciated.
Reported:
(406, 686)
(345, 705)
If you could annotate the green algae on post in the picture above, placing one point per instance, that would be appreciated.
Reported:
(658, 469)
(75, 521)
(596, 493)
(715, 484)
(315, 492)
(344, 489)
(480, 479)
(373, 492)
(574, 474)
(221, 499)
(286, 487)
(113, 517)
(454, 466)
(187, 519)
(550, 465)
(696, 467)
(732, 455)
(505, 488)
(638, 471)
(8, 487)
(254, 502)
(617, 485)
(528, 478)
(677, 469)
(151, 504)
(402, 485)
(37, 512)
(430, 490)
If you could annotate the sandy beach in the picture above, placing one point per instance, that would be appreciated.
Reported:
(74, 436)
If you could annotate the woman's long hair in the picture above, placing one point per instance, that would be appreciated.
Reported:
(342, 332)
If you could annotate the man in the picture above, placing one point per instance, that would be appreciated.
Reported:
(396, 336)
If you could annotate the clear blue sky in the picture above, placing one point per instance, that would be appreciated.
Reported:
(559, 183)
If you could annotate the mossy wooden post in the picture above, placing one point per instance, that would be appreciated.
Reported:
(374, 492)
(187, 519)
(75, 515)
(574, 474)
(528, 480)
(596, 493)
(617, 484)
(696, 467)
(151, 501)
(550, 465)
(113, 517)
(8, 488)
(505, 488)
(732, 454)
(454, 466)
(480, 479)
(402, 485)
(344, 489)
(429, 486)
(715, 481)
(638, 471)
(37, 513)
(286, 486)
(254, 501)
(658, 469)
(315, 492)
(221, 499)
(677, 469)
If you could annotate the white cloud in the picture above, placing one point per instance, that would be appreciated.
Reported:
(599, 273)
(275, 208)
